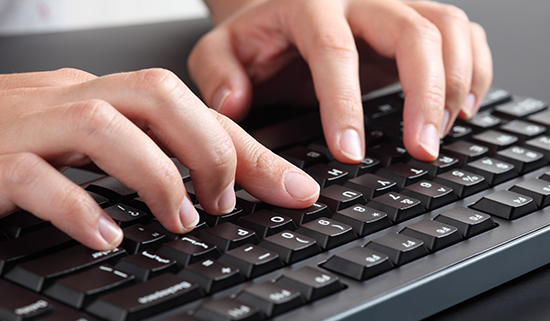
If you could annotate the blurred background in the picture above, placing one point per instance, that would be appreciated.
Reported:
(38, 16)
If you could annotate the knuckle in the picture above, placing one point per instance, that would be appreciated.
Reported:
(94, 116)
(454, 14)
(418, 27)
(20, 169)
(457, 84)
(335, 44)
(159, 83)
(224, 157)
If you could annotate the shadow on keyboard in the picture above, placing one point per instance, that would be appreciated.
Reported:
(391, 238)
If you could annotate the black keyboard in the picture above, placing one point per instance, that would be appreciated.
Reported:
(391, 238)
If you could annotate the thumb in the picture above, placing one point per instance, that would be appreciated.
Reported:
(220, 76)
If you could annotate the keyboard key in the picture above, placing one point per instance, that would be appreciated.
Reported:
(483, 121)
(358, 263)
(140, 237)
(266, 223)
(304, 215)
(213, 220)
(125, 215)
(184, 171)
(466, 152)
(272, 298)
(399, 207)
(251, 260)
(41, 272)
(227, 309)
(146, 265)
(212, 275)
(80, 289)
(523, 130)
(542, 118)
(494, 140)
(399, 248)
(462, 182)
(431, 194)
(312, 283)
(249, 203)
(505, 204)
(495, 171)
(338, 197)
(145, 299)
(382, 107)
(321, 147)
(540, 144)
(291, 246)
(371, 185)
(367, 165)
(434, 234)
(442, 164)
(375, 137)
(41, 242)
(189, 249)
(537, 189)
(327, 175)
(21, 223)
(228, 236)
(17, 303)
(458, 132)
(363, 219)
(524, 159)
(389, 153)
(403, 174)
(303, 157)
(494, 97)
(327, 232)
(468, 221)
(519, 108)
(113, 189)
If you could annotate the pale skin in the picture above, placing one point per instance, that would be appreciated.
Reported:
(127, 123)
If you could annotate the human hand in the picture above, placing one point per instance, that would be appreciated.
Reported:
(122, 123)
(443, 61)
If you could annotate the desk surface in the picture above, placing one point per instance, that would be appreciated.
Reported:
(517, 32)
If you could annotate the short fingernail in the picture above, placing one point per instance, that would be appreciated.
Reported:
(109, 231)
(351, 146)
(220, 97)
(429, 139)
(444, 123)
(226, 202)
(468, 107)
(301, 187)
(188, 214)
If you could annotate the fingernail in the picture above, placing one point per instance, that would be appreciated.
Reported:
(351, 146)
(226, 202)
(188, 214)
(300, 186)
(429, 139)
(468, 107)
(444, 124)
(220, 97)
(109, 231)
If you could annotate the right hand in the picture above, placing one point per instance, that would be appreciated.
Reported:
(122, 123)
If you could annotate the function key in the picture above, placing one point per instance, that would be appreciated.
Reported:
(537, 189)
(495, 171)
(364, 220)
(458, 132)
(519, 108)
(272, 298)
(506, 204)
(494, 140)
(358, 263)
(431, 194)
(494, 97)
(291, 246)
(523, 159)
(251, 260)
(266, 223)
(371, 185)
(441, 164)
(327, 232)
(304, 215)
(228, 236)
(468, 221)
(303, 157)
(212, 275)
(400, 249)
(367, 165)
(312, 283)
(523, 130)
(462, 182)
(483, 121)
(403, 174)
(327, 175)
(389, 153)
(465, 151)
(434, 234)
(339, 197)
(399, 207)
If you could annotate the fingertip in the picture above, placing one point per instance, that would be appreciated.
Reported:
(351, 145)
(469, 107)
(188, 214)
(429, 141)
(227, 201)
(110, 232)
(301, 187)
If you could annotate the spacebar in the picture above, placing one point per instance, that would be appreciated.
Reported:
(290, 132)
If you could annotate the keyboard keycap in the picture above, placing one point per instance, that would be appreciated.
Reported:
(483, 121)
(80, 289)
(312, 283)
(291, 246)
(266, 223)
(537, 189)
(458, 132)
(540, 144)
(212, 275)
(273, 299)
(494, 97)
(125, 215)
(524, 159)
(227, 309)
(113, 189)
(251, 260)
(326, 175)
(523, 130)
(494, 140)
(505, 204)
(468, 221)
(140, 237)
(465, 151)
(21, 223)
(371, 185)
(400, 249)
(495, 171)
(367, 165)
(339, 197)
(389, 153)
(304, 215)
(327, 232)
(303, 157)
(431, 194)
(248, 203)
(228, 236)
(189, 249)
(363, 220)
(519, 108)
(213, 220)
(462, 182)
(399, 207)
(442, 164)
(146, 265)
(145, 299)
(359, 263)
(434, 234)
(403, 174)
(17, 303)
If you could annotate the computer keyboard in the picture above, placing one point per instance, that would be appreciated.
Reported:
(391, 238)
